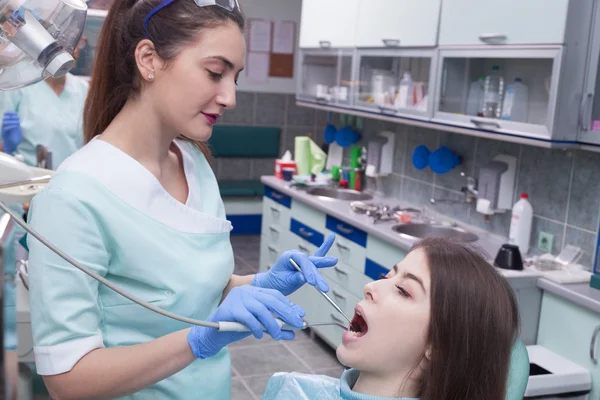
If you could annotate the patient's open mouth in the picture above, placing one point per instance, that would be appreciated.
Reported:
(358, 327)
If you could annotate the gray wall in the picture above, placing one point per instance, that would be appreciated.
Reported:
(562, 186)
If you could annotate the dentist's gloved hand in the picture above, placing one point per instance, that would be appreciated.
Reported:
(11, 132)
(253, 307)
(285, 278)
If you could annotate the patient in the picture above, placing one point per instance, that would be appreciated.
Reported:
(440, 326)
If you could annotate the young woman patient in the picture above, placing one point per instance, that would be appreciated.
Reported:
(440, 326)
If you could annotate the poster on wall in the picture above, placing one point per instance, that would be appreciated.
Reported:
(85, 63)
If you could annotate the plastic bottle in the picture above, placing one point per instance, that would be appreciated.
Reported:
(493, 92)
(475, 98)
(405, 96)
(520, 224)
(516, 101)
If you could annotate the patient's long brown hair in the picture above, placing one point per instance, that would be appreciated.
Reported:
(474, 323)
(115, 77)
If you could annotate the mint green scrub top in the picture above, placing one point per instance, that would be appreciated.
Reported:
(110, 213)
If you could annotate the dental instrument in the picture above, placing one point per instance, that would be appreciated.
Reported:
(333, 303)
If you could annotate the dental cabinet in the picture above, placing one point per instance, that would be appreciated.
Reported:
(292, 224)
(329, 23)
(426, 65)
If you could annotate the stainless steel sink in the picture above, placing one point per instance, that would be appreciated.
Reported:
(340, 194)
(419, 231)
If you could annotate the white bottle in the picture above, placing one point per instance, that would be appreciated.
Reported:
(520, 224)
(406, 94)
(475, 97)
(516, 102)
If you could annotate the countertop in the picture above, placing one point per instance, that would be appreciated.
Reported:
(578, 293)
(340, 209)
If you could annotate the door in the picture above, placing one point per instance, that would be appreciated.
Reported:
(328, 23)
(504, 91)
(470, 22)
(589, 116)
(393, 23)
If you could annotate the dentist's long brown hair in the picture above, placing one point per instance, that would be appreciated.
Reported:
(474, 323)
(115, 77)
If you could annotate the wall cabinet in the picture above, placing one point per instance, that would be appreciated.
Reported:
(393, 23)
(475, 22)
(328, 23)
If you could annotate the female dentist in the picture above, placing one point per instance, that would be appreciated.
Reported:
(139, 205)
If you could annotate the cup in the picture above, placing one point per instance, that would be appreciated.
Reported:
(288, 173)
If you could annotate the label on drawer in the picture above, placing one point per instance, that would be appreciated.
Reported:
(279, 197)
(346, 230)
(307, 233)
(374, 270)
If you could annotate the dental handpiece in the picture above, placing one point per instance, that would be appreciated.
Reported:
(238, 327)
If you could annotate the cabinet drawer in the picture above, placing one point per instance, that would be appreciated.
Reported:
(269, 253)
(309, 216)
(384, 253)
(307, 233)
(348, 252)
(278, 197)
(346, 230)
(275, 215)
(375, 271)
(347, 278)
(274, 234)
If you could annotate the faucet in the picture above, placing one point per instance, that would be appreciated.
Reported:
(470, 192)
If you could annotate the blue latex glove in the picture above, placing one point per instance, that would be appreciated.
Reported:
(11, 132)
(285, 278)
(253, 307)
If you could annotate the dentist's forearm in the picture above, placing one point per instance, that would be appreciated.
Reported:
(237, 280)
(111, 373)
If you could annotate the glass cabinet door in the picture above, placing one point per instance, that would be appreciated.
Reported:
(394, 82)
(589, 118)
(509, 90)
(326, 76)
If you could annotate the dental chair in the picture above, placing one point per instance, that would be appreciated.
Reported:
(518, 372)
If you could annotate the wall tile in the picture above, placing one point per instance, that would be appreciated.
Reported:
(400, 153)
(585, 191)
(392, 186)
(544, 225)
(243, 113)
(585, 240)
(299, 116)
(262, 166)
(234, 168)
(418, 137)
(270, 109)
(416, 192)
(459, 211)
(464, 146)
(498, 224)
(545, 175)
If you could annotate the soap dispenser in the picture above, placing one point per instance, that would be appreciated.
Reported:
(496, 185)
(380, 155)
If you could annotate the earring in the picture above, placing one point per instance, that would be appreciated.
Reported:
(150, 76)
(429, 354)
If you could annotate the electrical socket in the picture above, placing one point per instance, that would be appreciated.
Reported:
(545, 241)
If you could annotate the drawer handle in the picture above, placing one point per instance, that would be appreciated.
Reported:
(342, 246)
(593, 345)
(325, 44)
(340, 271)
(492, 37)
(273, 229)
(275, 210)
(585, 112)
(391, 42)
(479, 123)
(338, 296)
(322, 100)
(273, 249)
(304, 233)
(304, 249)
(338, 320)
(277, 195)
(345, 230)
(387, 110)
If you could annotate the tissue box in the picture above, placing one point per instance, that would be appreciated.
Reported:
(280, 165)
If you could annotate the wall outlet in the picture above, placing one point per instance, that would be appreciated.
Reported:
(545, 241)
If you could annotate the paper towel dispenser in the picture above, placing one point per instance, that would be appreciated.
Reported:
(496, 185)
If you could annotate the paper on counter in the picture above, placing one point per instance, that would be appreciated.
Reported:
(258, 67)
(284, 34)
(260, 35)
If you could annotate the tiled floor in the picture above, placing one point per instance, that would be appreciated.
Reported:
(254, 361)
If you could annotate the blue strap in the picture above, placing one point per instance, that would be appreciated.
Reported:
(156, 9)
